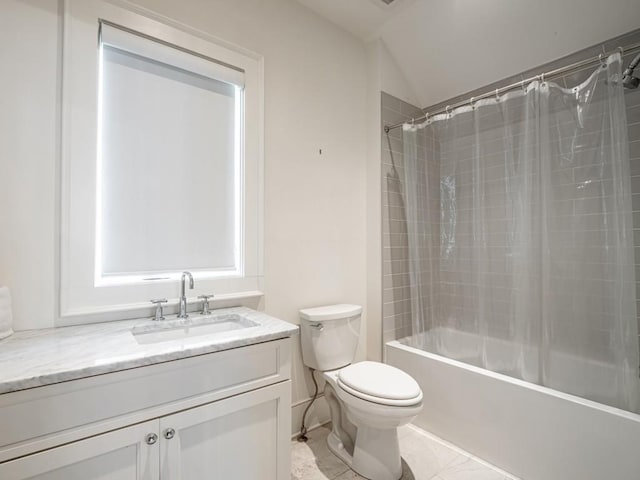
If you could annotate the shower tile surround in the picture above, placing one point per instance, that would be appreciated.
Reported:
(396, 309)
(396, 291)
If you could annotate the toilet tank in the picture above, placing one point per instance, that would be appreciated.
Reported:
(329, 335)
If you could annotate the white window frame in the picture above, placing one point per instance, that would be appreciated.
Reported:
(83, 296)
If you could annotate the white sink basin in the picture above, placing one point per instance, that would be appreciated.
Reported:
(190, 328)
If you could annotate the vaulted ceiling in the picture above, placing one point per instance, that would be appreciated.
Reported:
(363, 18)
(448, 47)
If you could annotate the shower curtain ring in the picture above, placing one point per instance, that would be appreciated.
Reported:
(542, 78)
(447, 110)
(497, 95)
(471, 102)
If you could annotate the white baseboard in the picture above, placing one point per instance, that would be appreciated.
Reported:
(318, 414)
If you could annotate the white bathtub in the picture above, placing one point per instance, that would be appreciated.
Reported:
(533, 432)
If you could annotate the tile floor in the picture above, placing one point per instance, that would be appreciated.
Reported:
(424, 457)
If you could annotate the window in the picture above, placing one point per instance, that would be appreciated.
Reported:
(165, 126)
(169, 156)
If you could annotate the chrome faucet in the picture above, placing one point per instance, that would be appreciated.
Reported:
(183, 299)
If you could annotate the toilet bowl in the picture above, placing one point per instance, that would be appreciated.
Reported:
(375, 453)
(368, 400)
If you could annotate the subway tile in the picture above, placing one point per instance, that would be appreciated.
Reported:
(390, 117)
(390, 102)
(391, 114)
(572, 173)
(398, 213)
(633, 112)
(400, 226)
(395, 268)
(395, 280)
(410, 111)
(634, 131)
(634, 166)
(396, 307)
(396, 294)
(393, 145)
(388, 336)
(395, 239)
(395, 253)
(632, 97)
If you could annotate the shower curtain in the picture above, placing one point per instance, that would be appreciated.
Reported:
(520, 237)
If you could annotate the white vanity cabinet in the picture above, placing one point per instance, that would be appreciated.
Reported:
(223, 415)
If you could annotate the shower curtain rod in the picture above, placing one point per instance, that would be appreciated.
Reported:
(548, 75)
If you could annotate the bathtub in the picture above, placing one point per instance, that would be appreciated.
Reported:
(533, 432)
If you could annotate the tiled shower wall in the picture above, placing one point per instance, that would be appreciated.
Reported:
(396, 298)
(396, 307)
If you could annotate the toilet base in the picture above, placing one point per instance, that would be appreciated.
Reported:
(376, 454)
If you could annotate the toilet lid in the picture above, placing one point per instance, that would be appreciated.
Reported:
(380, 383)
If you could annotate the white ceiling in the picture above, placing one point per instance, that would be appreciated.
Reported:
(445, 48)
(363, 18)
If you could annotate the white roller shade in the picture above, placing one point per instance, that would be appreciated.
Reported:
(163, 53)
(168, 178)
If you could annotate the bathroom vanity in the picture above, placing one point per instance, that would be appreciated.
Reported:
(188, 399)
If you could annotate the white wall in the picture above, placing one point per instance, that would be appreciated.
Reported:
(374, 203)
(449, 47)
(392, 79)
(315, 93)
(29, 39)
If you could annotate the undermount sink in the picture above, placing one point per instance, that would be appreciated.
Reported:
(190, 328)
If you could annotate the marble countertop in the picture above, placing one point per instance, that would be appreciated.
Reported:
(42, 357)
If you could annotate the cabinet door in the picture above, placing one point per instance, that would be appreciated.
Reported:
(119, 455)
(245, 437)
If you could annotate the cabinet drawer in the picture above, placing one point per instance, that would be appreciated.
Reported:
(42, 417)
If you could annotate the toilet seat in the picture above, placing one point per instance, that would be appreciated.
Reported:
(379, 383)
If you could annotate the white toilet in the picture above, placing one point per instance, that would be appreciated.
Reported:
(368, 400)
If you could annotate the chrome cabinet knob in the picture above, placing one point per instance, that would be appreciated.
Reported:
(158, 303)
(169, 433)
(205, 304)
(151, 438)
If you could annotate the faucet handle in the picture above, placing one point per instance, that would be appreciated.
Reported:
(205, 304)
(158, 303)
